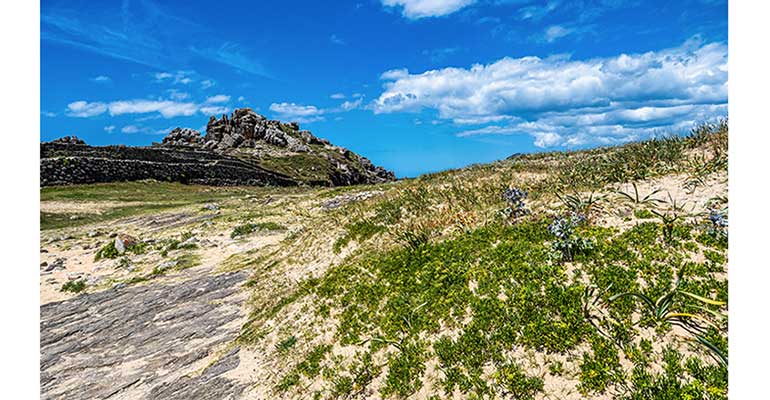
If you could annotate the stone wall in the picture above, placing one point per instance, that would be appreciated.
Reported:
(65, 164)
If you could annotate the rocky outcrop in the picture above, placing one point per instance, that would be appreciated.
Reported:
(69, 140)
(143, 341)
(183, 137)
(244, 148)
(246, 129)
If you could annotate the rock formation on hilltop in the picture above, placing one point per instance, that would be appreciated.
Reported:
(69, 140)
(243, 149)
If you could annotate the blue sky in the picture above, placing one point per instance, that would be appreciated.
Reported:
(415, 85)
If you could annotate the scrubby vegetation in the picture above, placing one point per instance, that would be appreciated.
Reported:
(250, 227)
(480, 276)
(554, 275)
(75, 286)
(109, 250)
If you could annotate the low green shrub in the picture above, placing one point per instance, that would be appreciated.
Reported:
(245, 229)
(75, 286)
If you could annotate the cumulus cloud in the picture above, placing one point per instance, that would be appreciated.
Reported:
(416, 9)
(571, 102)
(109, 128)
(297, 112)
(309, 113)
(101, 79)
(84, 109)
(337, 96)
(220, 98)
(130, 129)
(166, 108)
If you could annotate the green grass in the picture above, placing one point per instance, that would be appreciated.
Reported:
(438, 278)
(75, 286)
(154, 197)
(310, 368)
(179, 263)
(141, 191)
(504, 282)
(309, 168)
(109, 250)
(64, 220)
(286, 344)
(358, 231)
(246, 229)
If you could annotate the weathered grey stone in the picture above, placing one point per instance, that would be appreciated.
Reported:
(183, 137)
(69, 140)
(276, 137)
(122, 242)
(87, 342)
(211, 206)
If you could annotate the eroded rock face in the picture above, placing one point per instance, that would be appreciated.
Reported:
(69, 140)
(245, 129)
(143, 341)
(183, 137)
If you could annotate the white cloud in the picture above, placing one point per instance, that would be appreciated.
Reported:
(48, 114)
(207, 84)
(570, 102)
(351, 105)
(538, 11)
(554, 32)
(177, 95)
(546, 139)
(145, 130)
(310, 113)
(214, 110)
(337, 96)
(183, 77)
(101, 79)
(130, 129)
(109, 128)
(297, 112)
(84, 109)
(166, 108)
(395, 74)
(488, 130)
(415, 9)
(163, 108)
(220, 98)
(241, 98)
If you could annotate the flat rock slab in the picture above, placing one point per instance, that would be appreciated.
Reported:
(143, 341)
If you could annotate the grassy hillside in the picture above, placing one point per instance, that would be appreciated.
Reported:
(599, 273)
